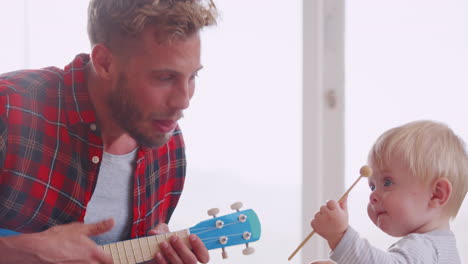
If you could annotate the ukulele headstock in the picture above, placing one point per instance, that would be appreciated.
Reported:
(241, 227)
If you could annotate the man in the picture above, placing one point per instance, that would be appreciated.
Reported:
(93, 153)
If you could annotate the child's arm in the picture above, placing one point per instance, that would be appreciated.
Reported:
(411, 249)
(331, 222)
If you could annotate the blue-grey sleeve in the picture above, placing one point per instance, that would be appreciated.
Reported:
(354, 250)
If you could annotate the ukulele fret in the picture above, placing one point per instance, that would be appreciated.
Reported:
(153, 244)
(129, 252)
(137, 251)
(121, 252)
(114, 253)
(145, 249)
(107, 249)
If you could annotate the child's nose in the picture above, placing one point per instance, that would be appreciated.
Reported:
(373, 197)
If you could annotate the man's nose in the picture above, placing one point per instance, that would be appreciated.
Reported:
(181, 95)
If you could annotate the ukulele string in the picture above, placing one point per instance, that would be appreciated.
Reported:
(208, 239)
(209, 229)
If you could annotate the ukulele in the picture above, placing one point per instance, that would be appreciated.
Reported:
(241, 227)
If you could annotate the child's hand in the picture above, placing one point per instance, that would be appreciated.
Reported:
(331, 222)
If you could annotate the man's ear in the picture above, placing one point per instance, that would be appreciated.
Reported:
(102, 60)
(441, 192)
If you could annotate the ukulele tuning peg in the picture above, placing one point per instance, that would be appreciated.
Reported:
(248, 250)
(213, 212)
(236, 206)
(224, 254)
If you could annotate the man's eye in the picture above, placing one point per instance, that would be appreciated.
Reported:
(195, 75)
(372, 187)
(387, 182)
(165, 77)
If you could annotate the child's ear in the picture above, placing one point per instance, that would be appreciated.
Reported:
(441, 192)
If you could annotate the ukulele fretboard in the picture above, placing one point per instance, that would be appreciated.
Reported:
(139, 250)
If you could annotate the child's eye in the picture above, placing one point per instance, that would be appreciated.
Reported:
(372, 186)
(387, 182)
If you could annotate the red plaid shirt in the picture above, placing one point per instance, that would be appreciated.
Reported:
(50, 151)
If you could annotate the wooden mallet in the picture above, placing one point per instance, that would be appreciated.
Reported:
(365, 171)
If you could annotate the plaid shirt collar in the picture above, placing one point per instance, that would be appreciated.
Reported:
(80, 107)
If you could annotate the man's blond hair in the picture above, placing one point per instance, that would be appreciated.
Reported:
(430, 150)
(112, 22)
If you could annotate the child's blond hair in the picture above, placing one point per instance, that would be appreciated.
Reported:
(430, 150)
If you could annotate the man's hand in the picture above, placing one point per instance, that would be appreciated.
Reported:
(68, 243)
(175, 251)
(331, 222)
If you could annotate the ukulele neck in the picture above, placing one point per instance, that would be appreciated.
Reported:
(139, 250)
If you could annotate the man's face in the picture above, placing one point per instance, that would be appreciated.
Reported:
(153, 87)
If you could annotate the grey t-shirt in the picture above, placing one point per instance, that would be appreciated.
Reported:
(112, 197)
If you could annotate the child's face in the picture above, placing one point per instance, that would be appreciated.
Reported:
(399, 200)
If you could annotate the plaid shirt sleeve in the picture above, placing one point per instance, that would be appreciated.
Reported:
(3, 137)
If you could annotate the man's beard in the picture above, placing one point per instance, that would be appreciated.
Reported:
(129, 116)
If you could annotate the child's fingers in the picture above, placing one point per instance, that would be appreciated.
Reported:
(344, 203)
(324, 209)
(332, 205)
(317, 214)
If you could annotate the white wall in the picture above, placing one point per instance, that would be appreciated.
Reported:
(41, 33)
(13, 40)
(243, 129)
(406, 60)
